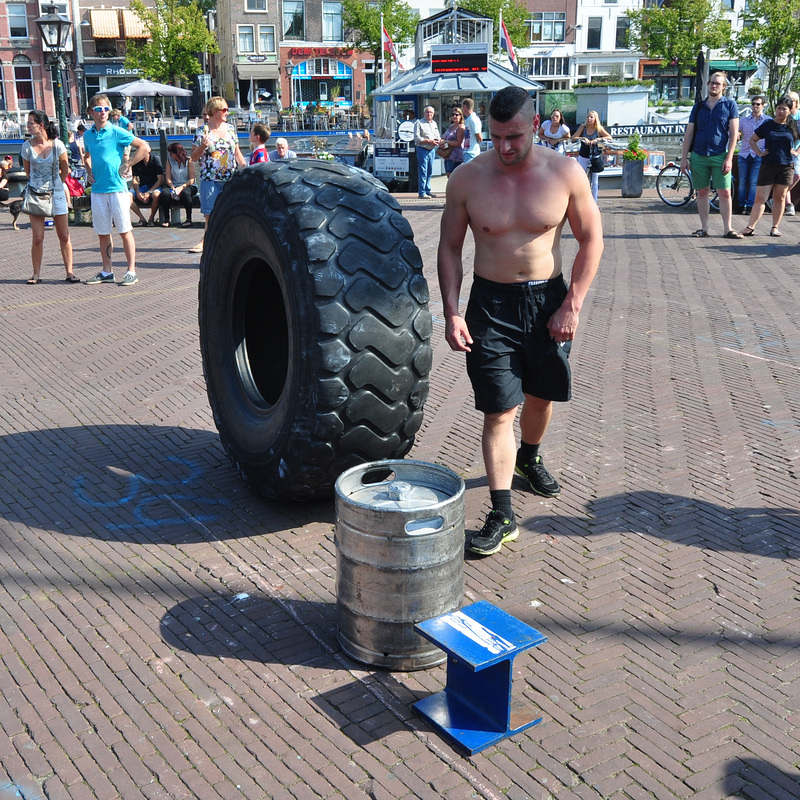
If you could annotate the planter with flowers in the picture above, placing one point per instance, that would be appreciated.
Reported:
(633, 159)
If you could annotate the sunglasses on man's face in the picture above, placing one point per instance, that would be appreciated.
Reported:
(100, 109)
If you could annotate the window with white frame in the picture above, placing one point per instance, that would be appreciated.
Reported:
(17, 21)
(294, 19)
(255, 5)
(544, 67)
(266, 39)
(331, 22)
(548, 26)
(246, 37)
(594, 33)
(621, 40)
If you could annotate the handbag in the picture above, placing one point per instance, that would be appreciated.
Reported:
(444, 149)
(596, 160)
(37, 204)
(40, 204)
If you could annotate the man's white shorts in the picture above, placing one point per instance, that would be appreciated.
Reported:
(113, 207)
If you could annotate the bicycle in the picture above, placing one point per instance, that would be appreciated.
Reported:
(676, 189)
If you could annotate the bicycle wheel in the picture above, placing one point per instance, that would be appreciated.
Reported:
(674, 187)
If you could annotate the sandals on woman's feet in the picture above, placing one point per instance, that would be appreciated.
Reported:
(701, 234)
(34, 280)
(187, 224)
(775, 232)
(72, 278)
(733, 235)
(748, 231)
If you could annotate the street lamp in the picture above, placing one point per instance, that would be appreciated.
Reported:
(55, 30)
(288, 71)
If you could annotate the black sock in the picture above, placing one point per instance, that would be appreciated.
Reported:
(527, 452)
(501, 501)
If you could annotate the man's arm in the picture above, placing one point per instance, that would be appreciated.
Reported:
(478, 132)
(453, 229)
(733, 137)
(688, 138)
(142, 149)
(584, 220)
(87, 163)
(159, 181)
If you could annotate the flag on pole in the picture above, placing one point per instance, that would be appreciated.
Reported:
(388, 45)
(505, 43)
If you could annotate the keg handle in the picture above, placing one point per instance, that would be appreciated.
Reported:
(422, 527)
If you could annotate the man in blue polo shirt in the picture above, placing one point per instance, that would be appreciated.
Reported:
(107, 155)
(711, 134)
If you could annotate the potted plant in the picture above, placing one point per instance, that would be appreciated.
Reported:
(633, 158)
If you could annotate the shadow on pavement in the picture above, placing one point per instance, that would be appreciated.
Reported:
(272, 630)
(754, 777)
(767, 532)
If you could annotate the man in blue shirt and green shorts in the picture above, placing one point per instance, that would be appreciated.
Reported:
(711, 134)
(107, 156)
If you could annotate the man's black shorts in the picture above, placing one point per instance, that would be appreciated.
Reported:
(513, 353)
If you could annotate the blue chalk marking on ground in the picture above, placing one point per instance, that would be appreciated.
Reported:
(139, 492)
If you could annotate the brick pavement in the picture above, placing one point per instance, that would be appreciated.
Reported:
(166, 634)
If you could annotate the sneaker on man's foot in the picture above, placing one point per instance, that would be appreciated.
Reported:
(495, 531)
(129, 279)
(101, 278)
(789, 210)
(540, 480)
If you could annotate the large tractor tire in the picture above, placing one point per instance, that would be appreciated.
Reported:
(314, 325)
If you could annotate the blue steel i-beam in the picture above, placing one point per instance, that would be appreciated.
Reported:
(476, 708)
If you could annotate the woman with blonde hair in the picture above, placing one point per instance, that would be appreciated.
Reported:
(216, 150)
(591, 135)
(454, 136)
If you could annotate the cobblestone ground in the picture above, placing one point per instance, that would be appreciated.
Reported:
(164, 633)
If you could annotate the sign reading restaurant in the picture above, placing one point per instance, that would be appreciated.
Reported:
(667, 129)
(320, 52)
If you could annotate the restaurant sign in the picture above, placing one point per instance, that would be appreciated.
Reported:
(320, 52)
(667, 129)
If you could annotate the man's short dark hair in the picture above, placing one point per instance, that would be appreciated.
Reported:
(509, 102)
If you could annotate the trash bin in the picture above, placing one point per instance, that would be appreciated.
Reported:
(399, 558)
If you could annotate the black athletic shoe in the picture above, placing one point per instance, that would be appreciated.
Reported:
(541, 481)
(497, 530)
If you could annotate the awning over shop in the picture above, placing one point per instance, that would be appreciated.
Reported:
(421, 80)
(257, 71)
(132, 25)
(733, 66)
(105, 23)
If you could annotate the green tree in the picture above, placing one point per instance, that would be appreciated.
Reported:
(771, 35)
(515, 15)
(205, 5)
(176, 32)
(362, 22)
(677, 32)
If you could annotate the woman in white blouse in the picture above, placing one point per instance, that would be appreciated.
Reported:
(554, 133)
